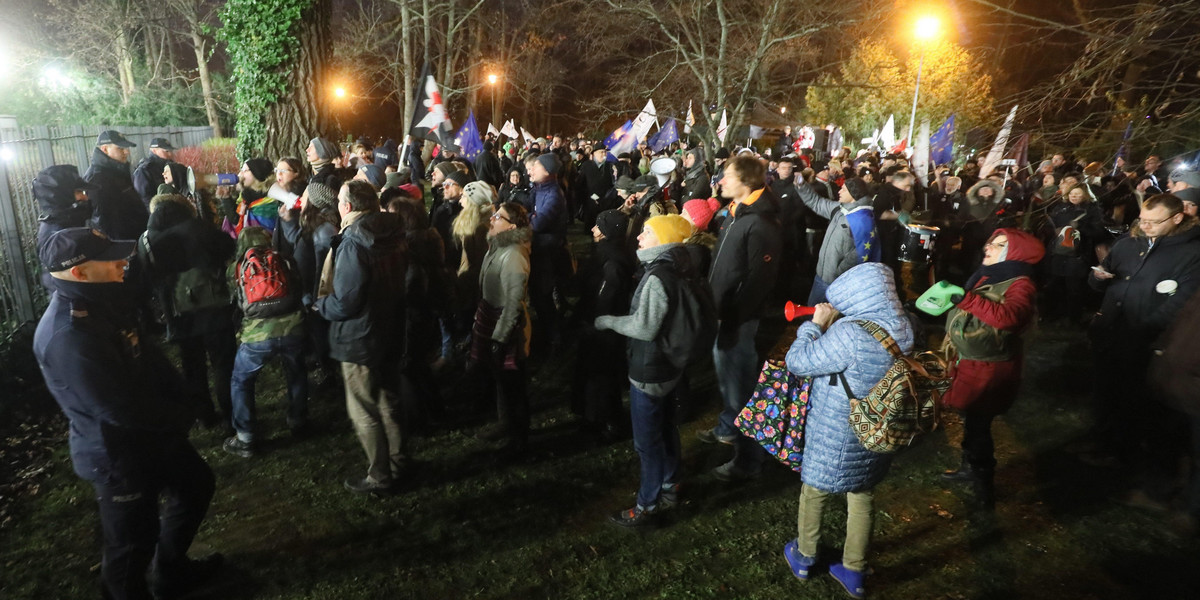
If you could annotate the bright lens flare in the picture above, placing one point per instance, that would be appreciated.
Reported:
(340, 92)
(927, 28)
(7, 154)
(492, 79)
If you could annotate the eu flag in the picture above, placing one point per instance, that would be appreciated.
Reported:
(941, 143)
(665, 136)
(467, 138)
(866, 239)
(621, 140)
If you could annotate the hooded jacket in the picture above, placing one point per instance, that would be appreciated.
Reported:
(980, 208)
(366, 305)
(1133, 314)
(695, 180)
(746, 259)
(838, 251)
(834, 460)
(1002, 303)
(117, 210)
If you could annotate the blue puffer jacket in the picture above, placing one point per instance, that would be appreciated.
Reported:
(834, 461)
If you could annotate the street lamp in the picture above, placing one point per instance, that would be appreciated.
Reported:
(926, 29)
(783, 110)
(339, 91)
(493, 79)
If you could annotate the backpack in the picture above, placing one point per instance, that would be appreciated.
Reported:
(266, 284)
(904, 404)
(195, 289)
(691, 325)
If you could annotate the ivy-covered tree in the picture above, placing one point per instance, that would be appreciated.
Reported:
(278, 52)
(877, 81)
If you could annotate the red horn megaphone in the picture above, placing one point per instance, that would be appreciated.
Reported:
(791, 310)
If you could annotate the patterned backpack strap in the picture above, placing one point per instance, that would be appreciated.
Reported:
(881, 336)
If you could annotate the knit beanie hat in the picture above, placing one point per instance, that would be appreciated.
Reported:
(445, 167)
(462, 179)
(624, 183)
(857, 188)
(721, 153)
(613, 224)
(375, 175)
(394, 179)
(669, 229)
(700, 212)
(549, 162)
(260, 168)
(479, 193)
(321, 195)
(326, 150)
(1192, 178)
(414, 191)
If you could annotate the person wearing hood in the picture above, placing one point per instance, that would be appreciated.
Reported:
(362, 295)
(744, 267)
(1146, 278)
(487, 166)
(1185, 185)
(149, 173)
(500, 334)
(322, 156)
(184, 259)
(850, 238)
(840, 355)
(62, 198)
(653, 376)
(515, 189)
(695, 176)
(117, 209)
(606, 283)
(983, 199)
(984, 329)
(129, 420)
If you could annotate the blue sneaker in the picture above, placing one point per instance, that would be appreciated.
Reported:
(799, 563)
(851, 580)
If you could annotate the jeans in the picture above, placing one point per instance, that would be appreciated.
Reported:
(373, 402)
(738, 365)
(859, 517)
(251, 358)
(656, 440)
(136, 530)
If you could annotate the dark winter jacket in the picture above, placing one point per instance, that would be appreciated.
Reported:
(124, 398)
(745, 260)
(307, 248)
(1086, 219)
(487, 169)
(549, 218)
(366, 307)
(117, 210)
(148, 176)
(1133, 314)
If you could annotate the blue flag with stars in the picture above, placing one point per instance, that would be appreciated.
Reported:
(467, 138)
(665, 136)
(620, 140)
(862, 226)
(941, 144)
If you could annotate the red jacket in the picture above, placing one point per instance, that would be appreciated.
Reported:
(991, 387)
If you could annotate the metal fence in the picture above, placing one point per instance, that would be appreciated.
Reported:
(24, 152)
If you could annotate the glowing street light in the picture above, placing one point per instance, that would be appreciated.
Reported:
(783, 110)
(492, 79)
(339, 91)
(926, 29)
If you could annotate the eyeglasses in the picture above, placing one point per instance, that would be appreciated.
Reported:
(284, 171)
(501, 217)
(1160, 221)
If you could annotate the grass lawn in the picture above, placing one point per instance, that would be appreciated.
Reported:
(467, 527)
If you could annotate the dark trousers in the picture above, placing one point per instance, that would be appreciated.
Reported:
(512, 400)
(979, 450)
(219, 349)
(136, 531)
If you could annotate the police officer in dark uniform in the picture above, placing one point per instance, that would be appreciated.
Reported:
(129, 423)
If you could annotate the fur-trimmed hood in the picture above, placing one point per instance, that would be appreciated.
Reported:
(520, 235)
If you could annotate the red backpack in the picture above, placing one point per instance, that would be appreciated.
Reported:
(266, 284)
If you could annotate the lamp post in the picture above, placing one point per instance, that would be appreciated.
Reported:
(926, 29)
(492, 80)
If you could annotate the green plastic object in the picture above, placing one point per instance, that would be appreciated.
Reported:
(939, 298)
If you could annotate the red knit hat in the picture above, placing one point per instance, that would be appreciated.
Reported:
(701, 211)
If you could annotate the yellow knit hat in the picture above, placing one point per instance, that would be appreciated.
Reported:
(670, 229)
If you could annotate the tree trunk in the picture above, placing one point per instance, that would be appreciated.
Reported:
(406, 67)
(210, 103)
(293, 120)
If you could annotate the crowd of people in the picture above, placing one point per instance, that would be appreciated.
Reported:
(360, 265)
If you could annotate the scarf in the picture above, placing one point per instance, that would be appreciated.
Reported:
(1001, 271)
(325, 287)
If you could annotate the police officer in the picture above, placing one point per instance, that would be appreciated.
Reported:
(129, 424)
(149, 173)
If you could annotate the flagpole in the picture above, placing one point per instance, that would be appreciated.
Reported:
(913, 117)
